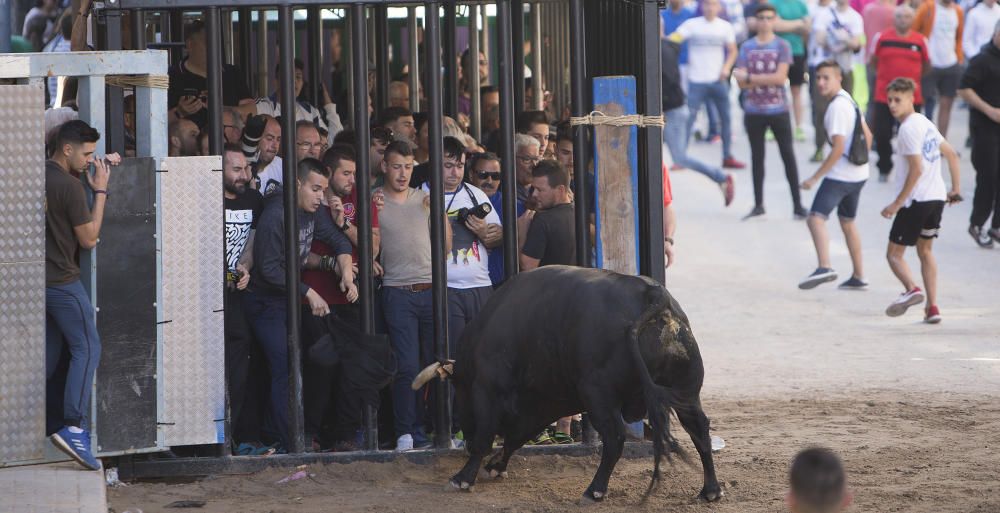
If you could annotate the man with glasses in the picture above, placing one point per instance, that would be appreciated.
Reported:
(232, 126)
(761, 71)
(484, 172)
(527, 153)
(307, 141)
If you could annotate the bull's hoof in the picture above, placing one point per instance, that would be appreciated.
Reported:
(498, 475)
(711, 495)
(590, 498)
(452, 486)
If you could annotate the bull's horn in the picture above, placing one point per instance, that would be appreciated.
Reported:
(425, 375)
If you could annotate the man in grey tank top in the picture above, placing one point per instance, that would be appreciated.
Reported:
(406, 295)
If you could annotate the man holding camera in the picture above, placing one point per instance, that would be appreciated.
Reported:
(476, 229)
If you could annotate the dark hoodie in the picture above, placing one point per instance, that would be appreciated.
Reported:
(673, 95)
(268, 273)
(982, 76)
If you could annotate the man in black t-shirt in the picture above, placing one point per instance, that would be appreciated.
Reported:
(188, 93)
(551, 237)
(242, 208)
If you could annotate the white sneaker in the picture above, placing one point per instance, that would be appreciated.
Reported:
(457, 444)
(905, 301)
(404, 443)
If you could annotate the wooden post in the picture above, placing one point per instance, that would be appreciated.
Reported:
(616, 166)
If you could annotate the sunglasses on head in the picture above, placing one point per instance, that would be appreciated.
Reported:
(488, 174)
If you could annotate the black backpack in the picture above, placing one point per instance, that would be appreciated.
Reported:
(858, 154)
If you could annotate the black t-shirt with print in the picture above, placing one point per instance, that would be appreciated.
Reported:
(242, 213)
(234, 88)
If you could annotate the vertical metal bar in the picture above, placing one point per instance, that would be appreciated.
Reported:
(414, 58)
(485, 41)
(450, 60)
(536, 56)
(138, 26)
(314, 38)
(246, 45)
(359, 40)
(150, 122)
(475, 118)
(382, 72)
(228, 40)
(650, 147)
(5, 32)
(213, 49)
(176, 25)
(351, 57)
(580, 178)
(517, 35)
(263, 54)
(509, 181)
(432, 44)
(90, 98)
(286, 41)
(114, 131)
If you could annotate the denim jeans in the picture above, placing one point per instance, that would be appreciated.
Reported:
(409, 318)
(675, 135)
(267, 316)
(69, 320)
(717, 94)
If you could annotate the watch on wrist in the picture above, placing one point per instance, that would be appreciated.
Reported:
(346, 226)
(669, 239)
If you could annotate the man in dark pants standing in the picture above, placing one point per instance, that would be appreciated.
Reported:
(980, 90)
(898, 52)
(242, 209)
(265, 299)
(69, 316)
(761, 70)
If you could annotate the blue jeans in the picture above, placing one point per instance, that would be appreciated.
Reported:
(267, 316)
(716, 94)
(69, 320)
(409, 317)
(675, 135)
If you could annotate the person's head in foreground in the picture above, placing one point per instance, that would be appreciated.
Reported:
(818, 483)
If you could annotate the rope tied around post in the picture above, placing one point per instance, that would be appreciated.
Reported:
(155, 81)
(598, 118)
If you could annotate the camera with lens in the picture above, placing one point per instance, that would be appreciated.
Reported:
(480, 211)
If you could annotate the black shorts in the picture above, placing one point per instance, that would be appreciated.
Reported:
(922, 219)
(797, 71)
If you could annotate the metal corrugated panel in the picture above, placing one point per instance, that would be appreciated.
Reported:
(22, 274)
(193, 377)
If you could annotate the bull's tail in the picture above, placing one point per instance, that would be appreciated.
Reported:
(659, 399)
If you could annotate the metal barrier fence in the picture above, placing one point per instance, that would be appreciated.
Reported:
(605, 37)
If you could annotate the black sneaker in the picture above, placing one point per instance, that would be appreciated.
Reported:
(819, 276)
(756, 212)
(800, 213)
(981, 237)
(853, 284)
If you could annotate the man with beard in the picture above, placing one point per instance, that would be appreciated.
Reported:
(183, 138)
(341, 206)
(265, 298)
(242, 209)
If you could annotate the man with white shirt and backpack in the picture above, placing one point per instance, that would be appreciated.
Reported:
(920, 200)
(843, 172)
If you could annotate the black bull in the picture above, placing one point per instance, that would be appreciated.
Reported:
(560, 340)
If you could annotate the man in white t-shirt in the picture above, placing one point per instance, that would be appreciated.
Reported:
(842, 180)
(711, 54)
(837, 33)
(475, 229)
(942, 21)
(920, 198)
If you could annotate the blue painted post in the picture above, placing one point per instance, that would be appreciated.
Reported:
(616, 177)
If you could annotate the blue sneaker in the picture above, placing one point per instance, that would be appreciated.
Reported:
(77, 446)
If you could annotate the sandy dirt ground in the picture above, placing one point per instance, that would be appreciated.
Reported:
(914, 410)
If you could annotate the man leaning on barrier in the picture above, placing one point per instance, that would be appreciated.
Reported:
(69, 226)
